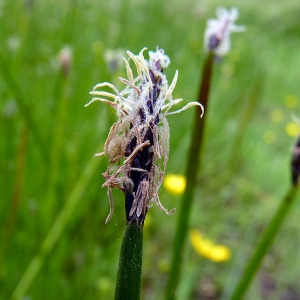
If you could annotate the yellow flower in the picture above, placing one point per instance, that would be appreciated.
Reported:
(175, 184)
(220, 253)
(292, 129)
(206, 248)
(291, 101)
(277, 115)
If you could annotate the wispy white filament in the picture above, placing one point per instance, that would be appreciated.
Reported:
(141, 106)
(217, 33)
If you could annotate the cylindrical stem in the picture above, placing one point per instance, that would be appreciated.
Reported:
(264, 244)
(191, 177)
(128, 285)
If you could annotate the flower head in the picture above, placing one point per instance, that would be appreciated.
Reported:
(295, 165)
(175, 184)
(138, 143)
(292, 129)
(206, 248)
(65, 59)
(217, 33)
(113, 59)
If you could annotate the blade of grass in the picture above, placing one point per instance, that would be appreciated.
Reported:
(191, 178)
(265, 243)
(17, 189)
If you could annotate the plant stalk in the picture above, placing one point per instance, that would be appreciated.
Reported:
(265, 243)
(191, 178)
(128, 285)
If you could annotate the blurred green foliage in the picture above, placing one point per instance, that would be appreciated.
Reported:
(48, 138)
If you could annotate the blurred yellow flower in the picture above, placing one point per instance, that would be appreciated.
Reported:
(277, 115)
(174, 183)
(292, 129)
(206, 248)
(220, 253)
(291, 101)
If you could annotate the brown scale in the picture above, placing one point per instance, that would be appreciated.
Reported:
(143, 160)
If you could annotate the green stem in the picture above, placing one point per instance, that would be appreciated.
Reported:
(128, 285)
(17, 189)
(191, 177)
(265, 243)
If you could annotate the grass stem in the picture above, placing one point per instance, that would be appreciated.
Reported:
(191, 177)
(128, 285)
(265, 243)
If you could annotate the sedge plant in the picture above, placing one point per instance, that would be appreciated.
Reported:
(138, 149)
(217, 43)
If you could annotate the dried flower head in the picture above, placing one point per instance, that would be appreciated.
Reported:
(113, 59)
(65, 59)
(217, 33)
(138, 143)
(295, 165)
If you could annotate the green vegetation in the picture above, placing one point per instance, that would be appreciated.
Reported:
(128, 285)
(52, 206)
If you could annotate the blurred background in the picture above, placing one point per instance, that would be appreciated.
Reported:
(53, 53)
